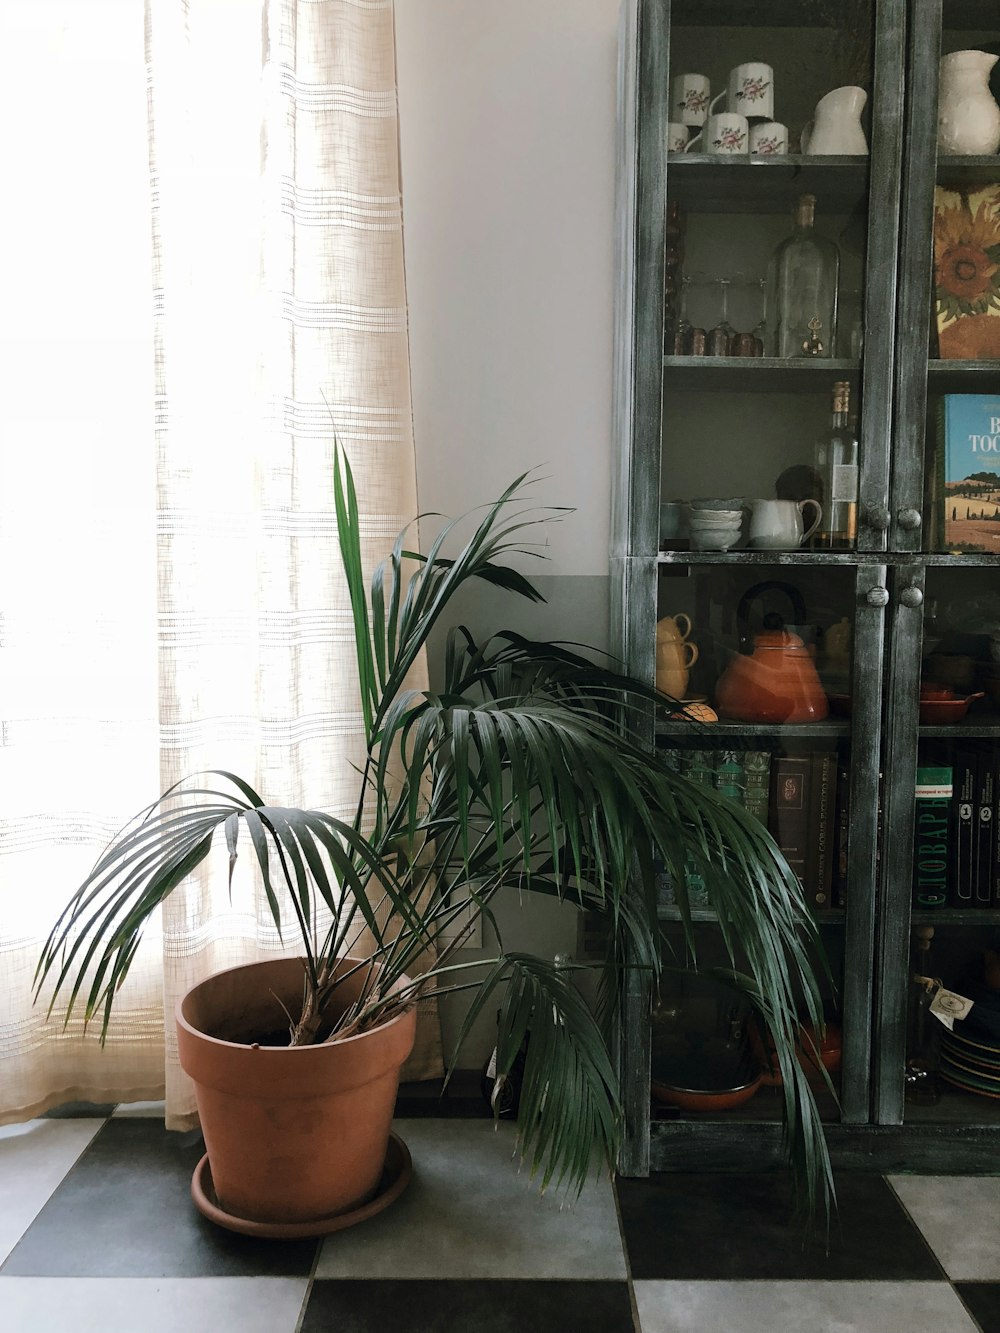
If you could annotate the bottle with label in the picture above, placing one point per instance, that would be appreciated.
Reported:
(837, 466)
(802, 288)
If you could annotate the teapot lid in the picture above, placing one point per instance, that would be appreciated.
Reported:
(775, 635)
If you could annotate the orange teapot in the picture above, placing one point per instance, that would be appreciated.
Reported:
(776, 681)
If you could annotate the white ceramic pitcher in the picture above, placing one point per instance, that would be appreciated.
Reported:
(836, 124)
(968, 116)
(779, 524)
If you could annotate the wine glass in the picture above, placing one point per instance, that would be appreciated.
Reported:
(720, 338)
(683, 325)
(760, 330)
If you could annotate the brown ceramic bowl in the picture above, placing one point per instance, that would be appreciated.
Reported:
(697, 1099)
(936, 712)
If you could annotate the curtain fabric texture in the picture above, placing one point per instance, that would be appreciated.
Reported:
(279, 322)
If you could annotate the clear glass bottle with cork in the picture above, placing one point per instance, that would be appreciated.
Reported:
(802, 288)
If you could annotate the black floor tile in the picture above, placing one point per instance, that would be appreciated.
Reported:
(80, 1111)
(462, 1099)
(983, 1302)
(125, 1210)
(728, 1227)
(487, 1307)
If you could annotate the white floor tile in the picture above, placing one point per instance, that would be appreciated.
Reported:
(960, 1218)
(154, 1305)
(147, 1110)
(793, 1307)
(34, 1158)
(468, 1213)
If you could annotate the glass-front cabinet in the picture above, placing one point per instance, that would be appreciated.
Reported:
(808, 478)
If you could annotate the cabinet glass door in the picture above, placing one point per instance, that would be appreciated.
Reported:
(941, 911)
(777, 379)
(765, 657)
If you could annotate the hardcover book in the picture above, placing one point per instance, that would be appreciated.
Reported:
(842, 825)
(963, 797)
(819, 843)
(970, 456)
(757, 780)
(789, 813)
(985, 801)
(967, 273)
(930, 840)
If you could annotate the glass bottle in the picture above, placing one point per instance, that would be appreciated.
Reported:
(920, 1084)
(837, 467)
(803, 277)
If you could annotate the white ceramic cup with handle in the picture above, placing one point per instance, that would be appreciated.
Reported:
(725, 135)
(690, 95)
(768, 138)
(677, 137)
(749, 92)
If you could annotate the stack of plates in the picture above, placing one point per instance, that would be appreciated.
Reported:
(971, 1060)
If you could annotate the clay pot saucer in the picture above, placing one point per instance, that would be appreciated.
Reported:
(396, 1175)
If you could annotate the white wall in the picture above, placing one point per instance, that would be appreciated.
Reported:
(507, 129)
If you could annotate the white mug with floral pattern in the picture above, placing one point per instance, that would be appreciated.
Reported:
(677, 137)
(725, 135)
(690, 95)
(769, 138)
(750, 92)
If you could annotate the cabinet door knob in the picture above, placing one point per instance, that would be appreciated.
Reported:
(911, 597)
(879, 518)
(909, 519)
(877, 597)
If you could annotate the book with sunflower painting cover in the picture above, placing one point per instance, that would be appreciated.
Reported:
(967, 272)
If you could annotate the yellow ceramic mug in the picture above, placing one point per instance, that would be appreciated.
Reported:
(674, 655)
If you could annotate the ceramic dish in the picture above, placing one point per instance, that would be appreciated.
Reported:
(703, 1099)
(937, 710)
(396, 1175)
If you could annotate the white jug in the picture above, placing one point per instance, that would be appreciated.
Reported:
(968, 116)
(836, 124)
(778, 525)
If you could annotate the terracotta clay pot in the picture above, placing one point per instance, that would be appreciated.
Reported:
(294, 1134)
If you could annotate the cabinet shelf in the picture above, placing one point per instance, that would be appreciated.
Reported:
(966, 172)
(705, 916)
(743, 557)
(956, 916)
(704, 732)
(757, 374)
(708, 183)
(964, 376)
(722, 14)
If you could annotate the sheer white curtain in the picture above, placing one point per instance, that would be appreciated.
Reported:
(172, 598)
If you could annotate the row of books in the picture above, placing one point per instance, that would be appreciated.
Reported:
(956, 850)
(801, 798)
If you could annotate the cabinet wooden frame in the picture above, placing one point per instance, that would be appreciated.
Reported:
(894, 376)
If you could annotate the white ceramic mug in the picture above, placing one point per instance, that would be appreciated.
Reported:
(689, 98)
(677, 137)
(725, 135)
(778, 524)
(768, 138)
(750, 92)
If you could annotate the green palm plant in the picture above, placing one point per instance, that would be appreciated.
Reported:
(518, 772)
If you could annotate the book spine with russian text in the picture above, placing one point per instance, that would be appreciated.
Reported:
(930, 836)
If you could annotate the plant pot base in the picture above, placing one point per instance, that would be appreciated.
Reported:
(396, 1175)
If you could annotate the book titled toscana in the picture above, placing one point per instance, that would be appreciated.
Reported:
(971, 458)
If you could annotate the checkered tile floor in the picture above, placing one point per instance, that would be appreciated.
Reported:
(98, 1235)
